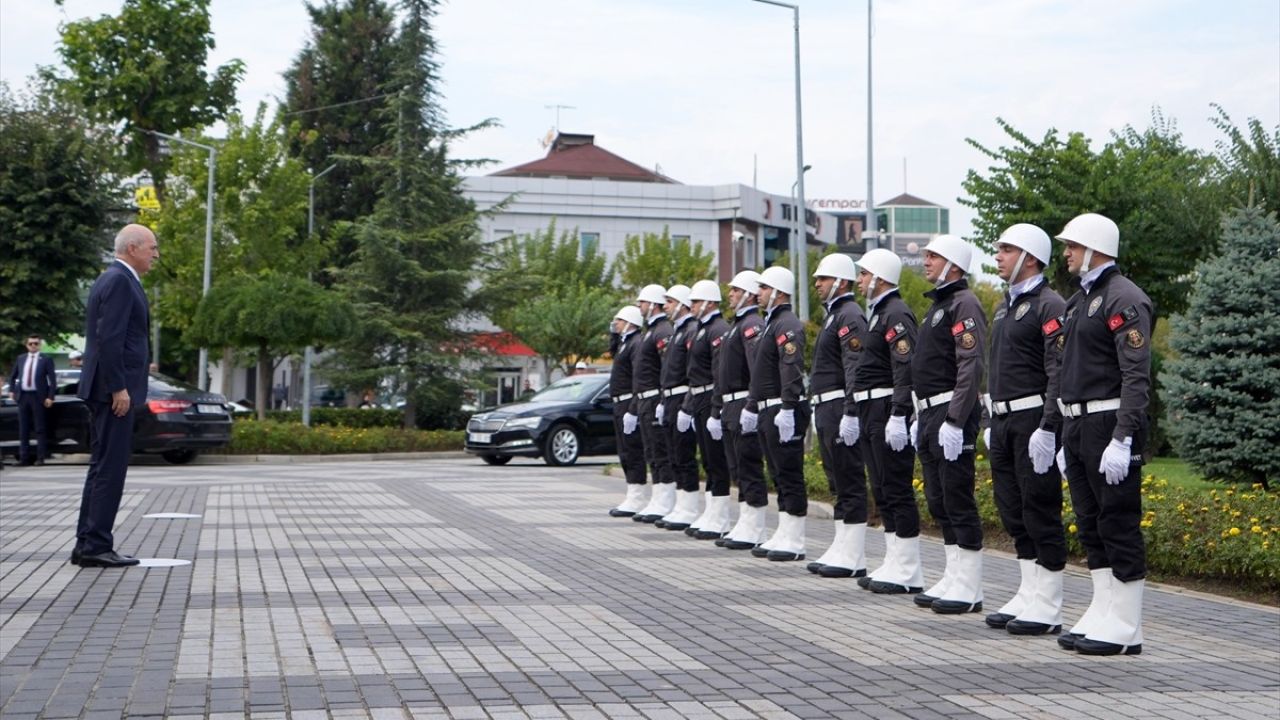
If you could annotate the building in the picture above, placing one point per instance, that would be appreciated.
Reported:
(907, 223)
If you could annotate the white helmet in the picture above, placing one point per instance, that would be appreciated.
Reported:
(837, 265)
(1028, 238)
(705, 290)
(1094, 232)
(680, 293)
(748, 281)
(655, 294)
(882, 263)
(956, 251)
(630, 314)
(780, 279)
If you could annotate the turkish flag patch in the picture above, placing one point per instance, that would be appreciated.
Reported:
(716, 342)
(1115, 321)
(749, 332)
(844, 331)
(1051, 327)
(966, 324)
(781, 338)
(662, 342)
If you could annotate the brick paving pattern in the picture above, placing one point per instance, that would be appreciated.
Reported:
(446, 588)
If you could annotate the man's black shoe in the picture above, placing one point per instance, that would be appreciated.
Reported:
(624, 513)
(864, 582)
(75, 556)
(739, 545)
(999, 620)
(1026, 627)
(108, 559)
(924, 601)
(835, 571)
(24, 462)
(1067, 641)
(1085, 646)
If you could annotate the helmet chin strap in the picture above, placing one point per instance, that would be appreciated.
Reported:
(1086, 261)
(831, 294)
(742, 303)
(942, 276)
(1017, 268)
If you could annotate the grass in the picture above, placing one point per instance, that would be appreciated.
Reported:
(1178, 473)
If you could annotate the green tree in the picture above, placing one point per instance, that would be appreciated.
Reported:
(653, 258)
(1250, 163)
(566, 325)
(145, 70)
(54, 204)
(1223, 388)
(272, 314)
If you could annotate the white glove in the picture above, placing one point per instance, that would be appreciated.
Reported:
(785, 421)
(629, 423)
(714, 428)
(748, 421)
(951, 438)
(684, 421)
(986, 438)
(849, 430)
(661, 413)
(915, 434)
(895, 433)
(1062, 461)
(1115, 460)
(1041, 446)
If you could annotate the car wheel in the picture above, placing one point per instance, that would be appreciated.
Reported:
(179, 457)
(563, 446)
(496, 459)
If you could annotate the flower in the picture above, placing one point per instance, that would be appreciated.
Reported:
(1234, 531)
(1256, 529)
(1072, 528)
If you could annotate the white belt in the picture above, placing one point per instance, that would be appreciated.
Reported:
(932, 401)
(647, 394)
(1004, 407)
(872, 394)
(698, 390)
(730, 397)
(826, 396)
(766, 404)
(620, 398)
(1075, 410)
(677, 390)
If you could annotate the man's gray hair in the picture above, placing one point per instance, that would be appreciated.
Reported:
(129, 236)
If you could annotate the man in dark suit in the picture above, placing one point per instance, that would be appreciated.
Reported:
(32, 384)
(113, 382)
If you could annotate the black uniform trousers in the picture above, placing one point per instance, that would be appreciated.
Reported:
(682, 445)
(714, 462)
(744, 456)
(630, 447)
(110, 446)
(948, 485)
(786, 459)
(846, 476)
(1107, 516)
(655, 441)
(890, 472)
(31, 416)
(1030, 503)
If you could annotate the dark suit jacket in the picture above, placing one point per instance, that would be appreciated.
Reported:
(46, 381)
(117, 349)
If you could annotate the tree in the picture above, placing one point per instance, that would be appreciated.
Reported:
(271, 313)
(145, 70)
(651, 258)
(1250, 164)
(1223, 389)
(566, 324)
(54, 205)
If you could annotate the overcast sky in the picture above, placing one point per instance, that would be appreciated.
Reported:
(703, 89)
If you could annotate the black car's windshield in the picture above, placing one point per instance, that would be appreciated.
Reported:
(164, 383)
(571, 389)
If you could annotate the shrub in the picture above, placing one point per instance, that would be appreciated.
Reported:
(253, 437)
(343, 417)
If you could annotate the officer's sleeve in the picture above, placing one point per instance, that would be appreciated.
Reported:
(1129, 319)
(751, 347)
(853, 327)
(1053, 310)
(717, 385)
(901, 338)
(791, 367)
(969, 333)
(637, 352)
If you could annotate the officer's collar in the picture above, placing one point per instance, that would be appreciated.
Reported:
(879, 298)
(747, 310)
(948, 289)
(708, 317)
(777, 309)
(831, 306)
(1091, 278)
(657, 317)
(684, 319)
(1024, 287)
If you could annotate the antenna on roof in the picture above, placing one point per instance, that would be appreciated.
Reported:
(547, 139)
(558, 108)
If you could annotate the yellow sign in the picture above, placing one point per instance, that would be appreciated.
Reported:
(145, 198)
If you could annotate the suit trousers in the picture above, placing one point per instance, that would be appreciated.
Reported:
(714, 462)
(683, 447)
(31, 416)
(786, 460)
(630, 447)
(656, 452)
(1030, 503)
(744, 456)
(846, 475)
(1108, 516)
(890, 472)
(111, 444)
(948, 484)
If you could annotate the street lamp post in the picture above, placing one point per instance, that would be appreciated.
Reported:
(802, 254)
(310, 351)
(203, 382)
(797, 222)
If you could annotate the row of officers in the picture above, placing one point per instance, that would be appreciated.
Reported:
(1067, 387)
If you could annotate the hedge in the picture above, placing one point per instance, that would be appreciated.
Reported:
(270, 437)
(343, 417)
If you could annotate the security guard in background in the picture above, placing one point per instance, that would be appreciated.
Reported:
(778, 405)
(1106, 379)
(882, 392)
(623, 342)
(743, 451)
(1022, 439)
(683, 445)
(835, 355)
(946, 373)
(648, 390)
(704, 366)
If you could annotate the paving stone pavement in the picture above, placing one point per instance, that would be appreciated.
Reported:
(446, 588)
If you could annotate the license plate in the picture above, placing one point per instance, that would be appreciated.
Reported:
(211, 409)
(479, 437)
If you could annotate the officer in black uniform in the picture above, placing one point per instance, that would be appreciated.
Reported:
(648, 397)
(625, 338)
(743, 451)
(1022, 439)
(778, 405)
(882, 393)
(675, 387)
(946, 373)
(704, 366)
(1106, 378)
(834, 364)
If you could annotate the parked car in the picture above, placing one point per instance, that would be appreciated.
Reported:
(568, 419)
(178, 421)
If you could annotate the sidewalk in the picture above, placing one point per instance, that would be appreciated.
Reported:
(446, 588)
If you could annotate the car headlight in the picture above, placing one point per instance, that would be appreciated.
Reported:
(522, 423)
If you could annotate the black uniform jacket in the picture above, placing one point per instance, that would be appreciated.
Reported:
(648, 357)
(779, 369)
(948, 355)
(834, 360)
(675, 355)
(738, 356)
(620, 377)
(705, 346)
(1025, 359)
(885, 351)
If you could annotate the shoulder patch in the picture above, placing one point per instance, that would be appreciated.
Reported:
(1135, 339)
(1052, 326)
(1115, 321)
(902, 347)
(894, 332)
(968, 341)
(844, 330)
(963, 325)
(716, 342)
(662, 343)
(750, 332)
(782, 338)
(1130, 313)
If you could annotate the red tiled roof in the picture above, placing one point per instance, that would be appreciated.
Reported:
(577, 156)
(905, 199)
(502, 343)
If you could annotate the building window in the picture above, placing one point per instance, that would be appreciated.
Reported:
(678, 238)
(946, 220)
(588, 241)
(503, 234)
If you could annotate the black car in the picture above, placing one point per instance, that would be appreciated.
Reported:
(569, 418)
(177, 421)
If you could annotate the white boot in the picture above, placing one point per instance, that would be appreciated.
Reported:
(851, 560)
(750, 530)
(762, 550)
(1044, 613)
(791, 545)
(886, 564)
(637, 497)
(1120, 630)
(743, 509)
(701, 520)
(964, 593)
(903, 574)
(1020, 600)
(1098, 608)
(926, 598)
(685, 512)
(831, 552)
(661, 503)
(718, 520)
